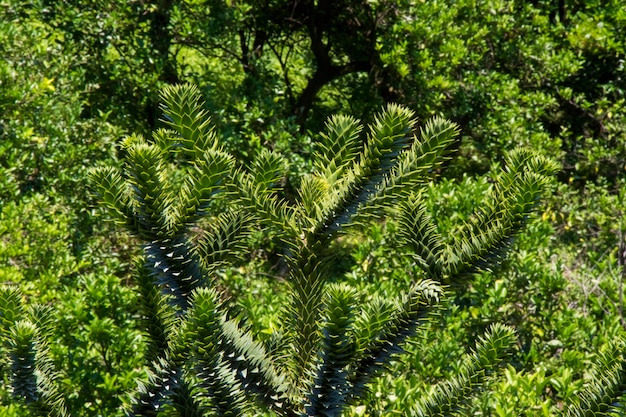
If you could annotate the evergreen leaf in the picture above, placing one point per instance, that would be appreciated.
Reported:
(33, 377)
(414, 167)
(202, 362)
(207, 177)
(312, 192)
(605, 385)
(418, 232)
(390, 134)
(157, 316)
(485, 238)
(410, 309)
(307, 284)
(165, 386)
(112, 191)
(268, 168)
(184, 113)
(177, 269)
(261, 202)
(450, 395)
(23, 351)
(223, 240)
(338, 148)
(331, 388)
(10, 308)
(151, 191)
(255, 371)
(215, 376)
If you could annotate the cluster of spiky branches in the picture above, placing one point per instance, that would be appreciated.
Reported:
(333, 343)
(484, 238)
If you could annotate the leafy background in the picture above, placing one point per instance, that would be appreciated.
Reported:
(75, 76)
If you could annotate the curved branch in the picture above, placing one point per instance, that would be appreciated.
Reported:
(323, 75)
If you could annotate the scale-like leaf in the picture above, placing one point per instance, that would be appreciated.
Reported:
(223, 240)
(482, 241)
(390, 134)
(207, 178)
(409, 311)
(268, 169)
(414, 168)
(450, 395)
(216, 377)
(605, 385)
(33, 377)
(331, 388)
(255, 370)
(112, 190)
(338, 148)
(10, 308)
(418, 232)
(151, 191)
(177, 270)
(184, 113)
(263, 203)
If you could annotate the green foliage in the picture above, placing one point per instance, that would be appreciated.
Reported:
(606, 383)
(533, 291)
(36, 250)
(32, 374)
(98, 349)
(546, 76)
(336, 351)
(46, 145)
(449, 396)
(485, 234)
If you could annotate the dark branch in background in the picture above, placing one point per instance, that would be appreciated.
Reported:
(161, 39)
(323, 75)
(340, 38)
(283, 60)
(313, 17)
(245, 51)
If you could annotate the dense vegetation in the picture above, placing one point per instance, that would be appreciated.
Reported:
(77, 77)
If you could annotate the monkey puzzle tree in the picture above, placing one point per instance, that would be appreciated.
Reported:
(333, 341)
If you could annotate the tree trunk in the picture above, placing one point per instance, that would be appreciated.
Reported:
(161, 40)
(322, 76)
